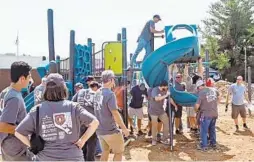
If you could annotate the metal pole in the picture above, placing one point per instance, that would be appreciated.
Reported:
(119, 37)
(207, 66)
(124, 52)
(93, 58)
(51, 35)
(72, 58)
(249, 86)
(171, 127)
(152, 43)
(58, 64)
(245, 64)
(89, 44)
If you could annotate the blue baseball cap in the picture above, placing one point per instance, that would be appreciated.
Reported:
(157, 16)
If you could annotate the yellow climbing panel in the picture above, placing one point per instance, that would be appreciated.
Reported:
(113, 57)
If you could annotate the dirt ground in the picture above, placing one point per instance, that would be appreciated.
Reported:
(232, 146)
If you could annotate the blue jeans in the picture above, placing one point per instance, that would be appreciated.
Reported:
(98, 147)
(207, 126)
(141, 44)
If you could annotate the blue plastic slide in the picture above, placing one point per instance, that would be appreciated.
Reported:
(154, 67)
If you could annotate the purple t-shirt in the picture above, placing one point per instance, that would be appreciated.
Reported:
(208, 100)
(105, 102)
(60, 128)
(14, 112)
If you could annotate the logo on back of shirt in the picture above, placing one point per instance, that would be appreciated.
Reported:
(211, 96)
(98, 98)
(63, 121)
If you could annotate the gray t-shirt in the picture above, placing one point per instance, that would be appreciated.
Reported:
(105, 102)
(2, 94)
(156, 107)
(238, 92)
(146, 33)
(14, 112)
(85, 97)
(149, 94)
(208, 100)
(59, 127)
(179, 86)
(38, 94)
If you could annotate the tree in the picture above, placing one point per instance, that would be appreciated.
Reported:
(227, 30)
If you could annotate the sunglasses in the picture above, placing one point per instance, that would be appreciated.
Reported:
(178, 77)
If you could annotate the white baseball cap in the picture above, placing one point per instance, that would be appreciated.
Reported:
(200, 83)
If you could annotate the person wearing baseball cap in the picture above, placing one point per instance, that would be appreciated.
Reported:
(60, 122)
(78, 87)
(207, 104)
(144, 40)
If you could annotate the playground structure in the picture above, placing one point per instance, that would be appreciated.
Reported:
(84, 60)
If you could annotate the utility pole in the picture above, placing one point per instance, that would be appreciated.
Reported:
(17, 43)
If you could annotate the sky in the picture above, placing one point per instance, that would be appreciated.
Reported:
(100, 20)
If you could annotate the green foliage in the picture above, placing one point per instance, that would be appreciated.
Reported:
(227, 30)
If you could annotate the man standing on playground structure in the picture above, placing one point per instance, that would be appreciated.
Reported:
(144, 40)
(238, 90)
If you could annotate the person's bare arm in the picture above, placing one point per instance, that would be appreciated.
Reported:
(118, 119)
(160, 98)
(173, 102)
(200, 68)
(89, 132)
(23, 139)
(7, 128)
(196, 107)
(156, 31)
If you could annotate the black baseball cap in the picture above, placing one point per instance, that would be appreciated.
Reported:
(90, 78)
(157, 16)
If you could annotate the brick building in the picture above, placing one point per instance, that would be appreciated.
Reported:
(5, 64)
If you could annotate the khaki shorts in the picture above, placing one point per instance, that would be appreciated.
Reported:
(238, 109)
(190, 112)
(112, 141)
(135, 112)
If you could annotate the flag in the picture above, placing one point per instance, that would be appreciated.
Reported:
(17, 40)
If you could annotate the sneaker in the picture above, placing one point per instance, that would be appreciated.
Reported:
(202, 149)
(149, 133)
(154, 142)
(245, 126)
(165, 142)
(237, 128)
(214, 147)
(140, 133)
(131, 132)
(179, 132)
(98, 155)
(159, 137)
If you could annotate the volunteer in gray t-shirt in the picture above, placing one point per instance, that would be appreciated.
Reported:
(60, 122)
(106, 110)
(156, 110)
(85, 97)
(238, 90)
(207, 102)
(38, 92)
(144, 40)
(13, 113)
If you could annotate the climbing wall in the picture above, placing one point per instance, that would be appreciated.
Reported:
(82, 63)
